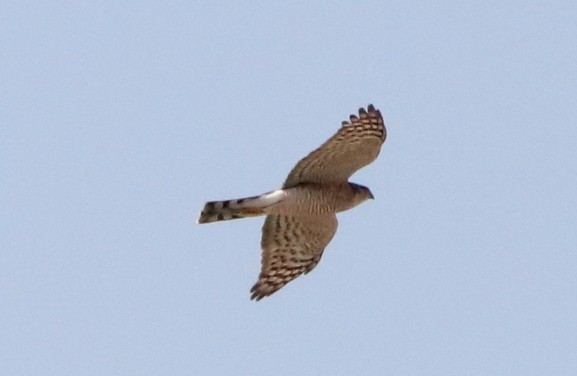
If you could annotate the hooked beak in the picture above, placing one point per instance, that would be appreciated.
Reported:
(371, 195)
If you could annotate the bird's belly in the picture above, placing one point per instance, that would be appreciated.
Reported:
(311, 199)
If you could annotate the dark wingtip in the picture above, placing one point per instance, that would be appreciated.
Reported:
(362, 111)
(256, 295)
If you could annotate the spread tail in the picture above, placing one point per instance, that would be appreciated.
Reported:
(239, 208)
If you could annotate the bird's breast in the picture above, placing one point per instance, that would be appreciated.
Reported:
(314, 199)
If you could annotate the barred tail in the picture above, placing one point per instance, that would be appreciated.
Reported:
(240, 208)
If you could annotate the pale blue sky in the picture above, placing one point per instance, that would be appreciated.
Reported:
(119, 119)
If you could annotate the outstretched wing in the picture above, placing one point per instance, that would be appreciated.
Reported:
(291, 246)
(354, 146)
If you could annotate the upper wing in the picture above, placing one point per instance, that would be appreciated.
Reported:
(291, 246)
(354, 146)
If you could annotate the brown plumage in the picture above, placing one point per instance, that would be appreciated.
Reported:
(301, 217)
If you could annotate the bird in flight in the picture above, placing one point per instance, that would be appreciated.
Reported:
(301, 216)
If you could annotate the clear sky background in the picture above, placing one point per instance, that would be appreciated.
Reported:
(118, 120)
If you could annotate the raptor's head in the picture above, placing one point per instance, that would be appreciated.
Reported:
(362, 193)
